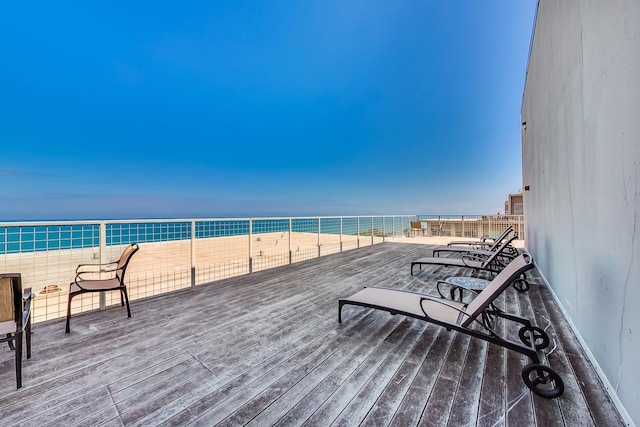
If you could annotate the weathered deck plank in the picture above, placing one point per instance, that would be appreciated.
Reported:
(266, 349)
(464, 408)
(437, 410)
(410, 410)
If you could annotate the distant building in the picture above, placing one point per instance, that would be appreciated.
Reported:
(472, 226)
(514, 205)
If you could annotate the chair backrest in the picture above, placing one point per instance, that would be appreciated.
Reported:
(495, 254)
(496, 243)
(499, 283)
(10, 297)
(123, 262)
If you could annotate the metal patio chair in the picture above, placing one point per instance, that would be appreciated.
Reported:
(89, 279)
(15, 318)
(477, 319)
(416, 227)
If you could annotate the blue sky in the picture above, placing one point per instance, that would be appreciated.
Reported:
(151, 109)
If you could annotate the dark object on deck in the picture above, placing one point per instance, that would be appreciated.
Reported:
(15, 317)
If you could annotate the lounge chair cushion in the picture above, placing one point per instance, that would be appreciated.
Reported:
(409, 302)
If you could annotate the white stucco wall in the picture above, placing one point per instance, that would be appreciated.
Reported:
(581, 161)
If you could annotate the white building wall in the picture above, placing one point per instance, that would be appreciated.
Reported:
(581, 161)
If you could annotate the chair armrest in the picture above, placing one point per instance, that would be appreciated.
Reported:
(27, 294)
(79, 274)
(479, 253)
(482, 245)
(99, 270)
(469, 257)
(453, 287)
(442, 301)
(94, 268)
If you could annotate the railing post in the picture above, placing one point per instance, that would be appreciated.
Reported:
(393, 227)
(102, 300)
(384, 234)
(358, 231)
(371, 231)
(250, 245)
(319, 254)
(340, 234)
(290, 232)
(193, 254)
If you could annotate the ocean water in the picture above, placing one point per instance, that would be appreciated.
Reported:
(20, 239)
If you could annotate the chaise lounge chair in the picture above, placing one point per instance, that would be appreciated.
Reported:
(485, 241)
(493, 262)
(510, 251)
(476, 319)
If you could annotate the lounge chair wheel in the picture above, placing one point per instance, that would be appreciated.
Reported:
(521, 285)
(542, 380)
(540, 337)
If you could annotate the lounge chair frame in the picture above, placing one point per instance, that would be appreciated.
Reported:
(481, 250)
(487, 316)
(494, 262)
(485, 241)
(532, 337)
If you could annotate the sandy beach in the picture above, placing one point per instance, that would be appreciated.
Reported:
(161, 267)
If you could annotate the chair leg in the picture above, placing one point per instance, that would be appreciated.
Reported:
(27, 331)
(126, 298)
(19, 359)
(121, 298)
(10, 342)
(68, 329)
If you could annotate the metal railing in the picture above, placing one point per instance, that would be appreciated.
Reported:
(174, 254)
(471, 226)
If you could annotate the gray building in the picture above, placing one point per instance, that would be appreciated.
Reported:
(581, 165)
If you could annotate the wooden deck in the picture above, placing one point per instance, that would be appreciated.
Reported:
(266, 349)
